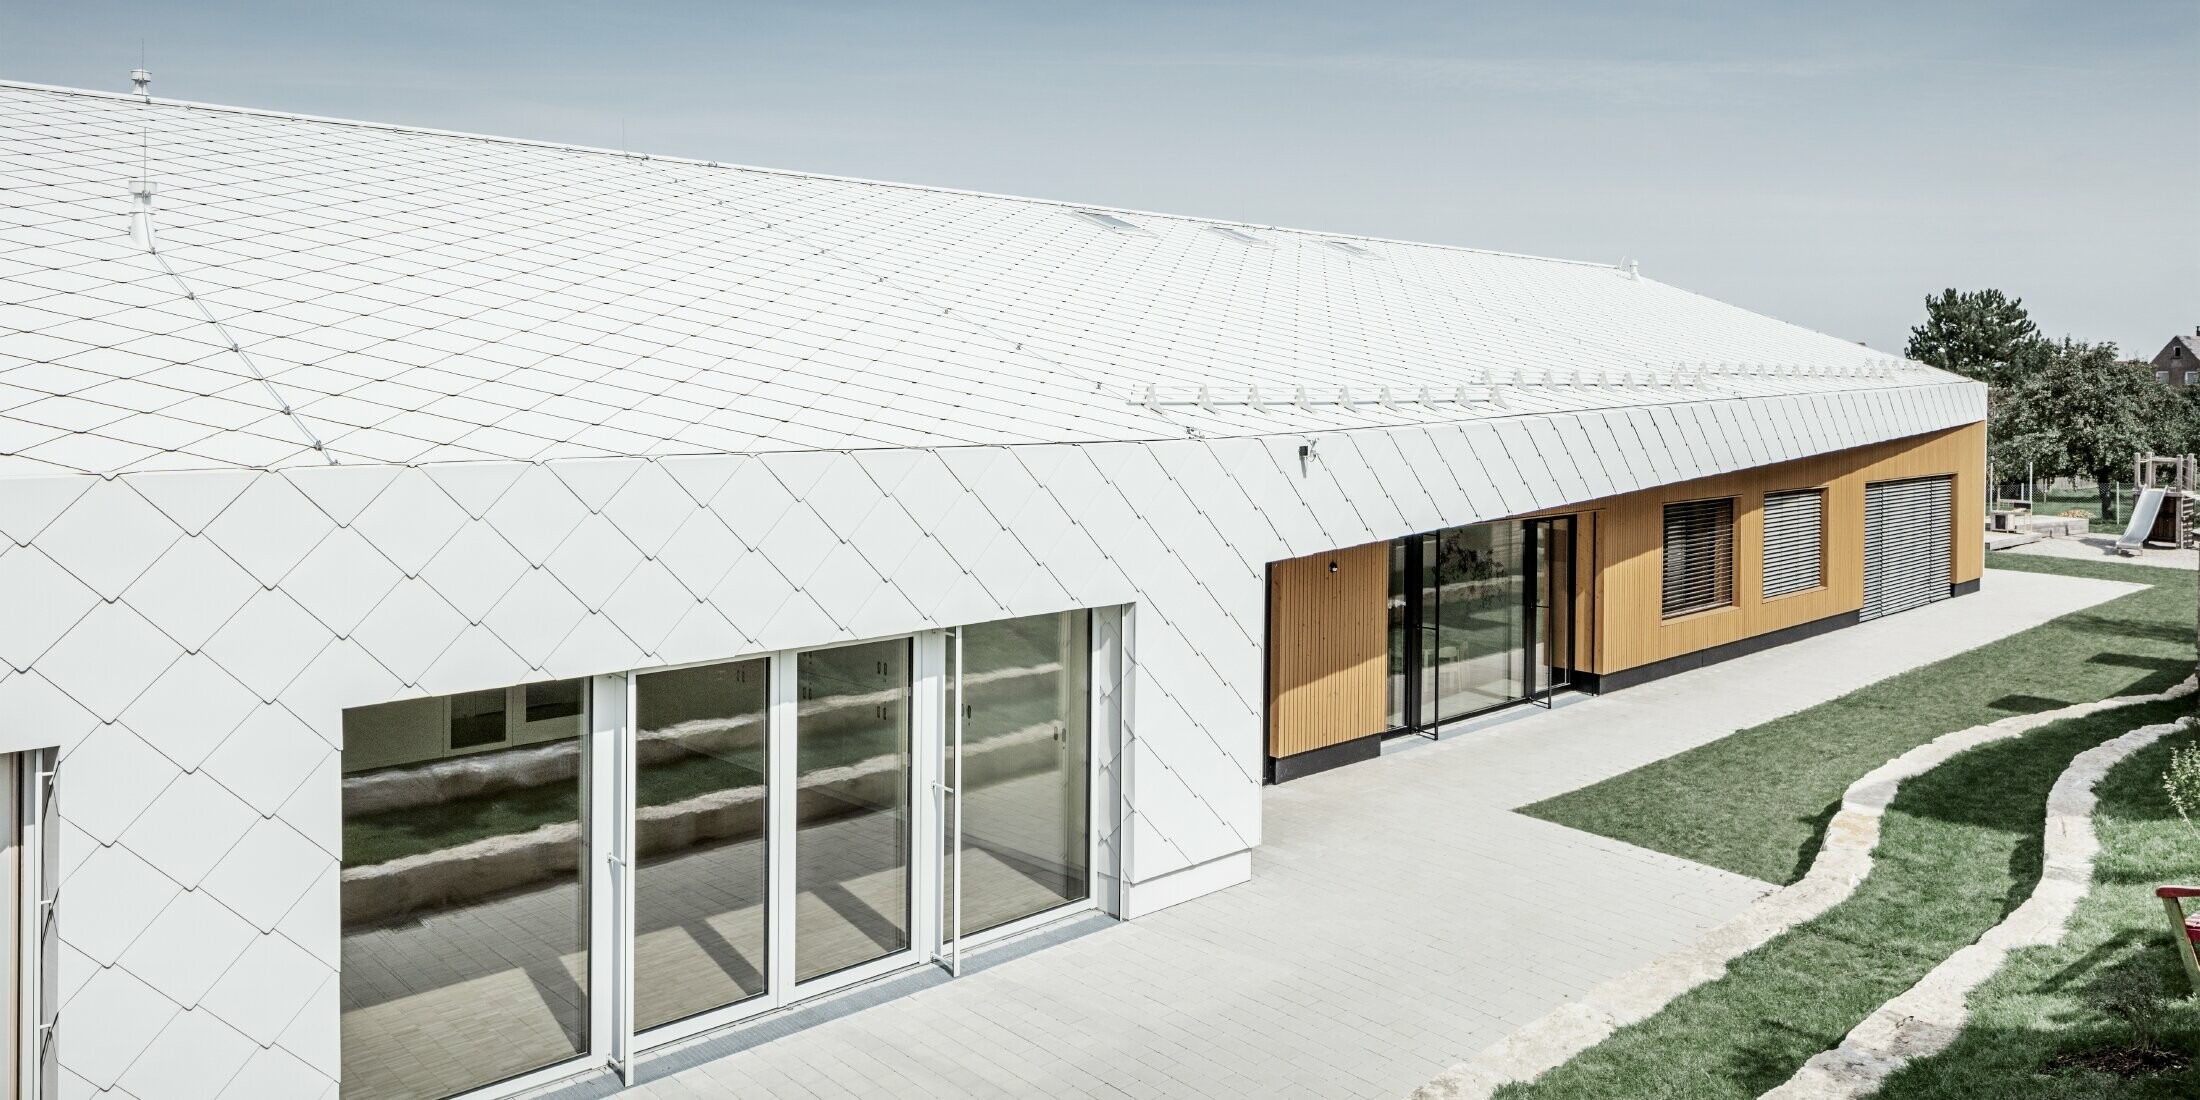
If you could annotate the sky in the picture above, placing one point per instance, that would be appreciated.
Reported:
(1827, 164)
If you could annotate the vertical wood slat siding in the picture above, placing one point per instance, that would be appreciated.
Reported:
(1630, 530)
(1328, 648)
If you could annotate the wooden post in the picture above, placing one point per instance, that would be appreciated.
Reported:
(2176, 911)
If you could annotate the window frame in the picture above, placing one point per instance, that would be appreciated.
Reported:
(1720, 550)
(1764, 547)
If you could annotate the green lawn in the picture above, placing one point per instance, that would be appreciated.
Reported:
(2060, 1000)
(1959, 848)
(2087, 499)
(1756, 802)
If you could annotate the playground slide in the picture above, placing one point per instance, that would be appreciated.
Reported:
(2142, 519)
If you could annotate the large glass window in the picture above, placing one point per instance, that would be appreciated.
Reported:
(770, 808)
(852, 825)
(699, 838)
(465, 911)
(1026, 746)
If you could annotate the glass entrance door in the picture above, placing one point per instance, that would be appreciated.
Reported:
(1473, 620)
(1480, 616)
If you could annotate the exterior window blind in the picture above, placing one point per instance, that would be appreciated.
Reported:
(1794, 527)
(1699, 556)
(1908, 529)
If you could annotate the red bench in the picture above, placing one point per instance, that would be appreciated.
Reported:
(2173, 903)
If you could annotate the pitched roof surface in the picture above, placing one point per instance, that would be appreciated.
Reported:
(324, 290)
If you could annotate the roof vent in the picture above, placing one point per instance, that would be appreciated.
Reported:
(1107, 221)
(1634, 270)
(1347, 247)
(141, 214)
(143, 80)
(1238, 235)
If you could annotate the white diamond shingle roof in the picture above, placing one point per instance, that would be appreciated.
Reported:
(406, 296)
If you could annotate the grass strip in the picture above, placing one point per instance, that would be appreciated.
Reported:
(1959, 848)
(1756, 802)
(2110, 979)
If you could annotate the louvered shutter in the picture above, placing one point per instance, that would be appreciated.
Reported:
(1699, 556)
(1794, 535)
(1907, 541)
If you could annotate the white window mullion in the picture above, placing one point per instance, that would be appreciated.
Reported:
(928, 703)
(608, 814)
(779, 765)
(37, 925)
(1107, 792)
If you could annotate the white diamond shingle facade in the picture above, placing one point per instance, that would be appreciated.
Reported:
(582, 412)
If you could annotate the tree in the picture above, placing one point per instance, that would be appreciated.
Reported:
(1980, 334)
(2078, 410)
(2182, 434)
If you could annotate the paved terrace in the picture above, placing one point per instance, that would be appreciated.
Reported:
(1400, 918)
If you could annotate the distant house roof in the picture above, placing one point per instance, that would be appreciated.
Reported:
(2190, 344)
(340, 291)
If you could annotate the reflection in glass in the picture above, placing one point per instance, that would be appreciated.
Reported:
(699, 879)
(852, 827)
(1025, 747)
(1554, 605)
(1431, 646)
(465, 915)
(1474, 621)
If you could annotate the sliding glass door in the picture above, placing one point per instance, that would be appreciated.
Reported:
(1022, 763)
(1474, 614)
(852, 834)
(465, 892)
(700, 831)
(1477, 621)
(539, 875)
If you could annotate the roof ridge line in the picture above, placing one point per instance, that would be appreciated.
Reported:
(570, 147)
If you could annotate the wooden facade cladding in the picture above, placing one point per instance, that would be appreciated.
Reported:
(1328, 648)
(1328, 632)
(1630, 550)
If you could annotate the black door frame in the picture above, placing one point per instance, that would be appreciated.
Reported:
(1416, 710)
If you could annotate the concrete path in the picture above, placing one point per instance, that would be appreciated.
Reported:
(1399, 918)
(2103, 548)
